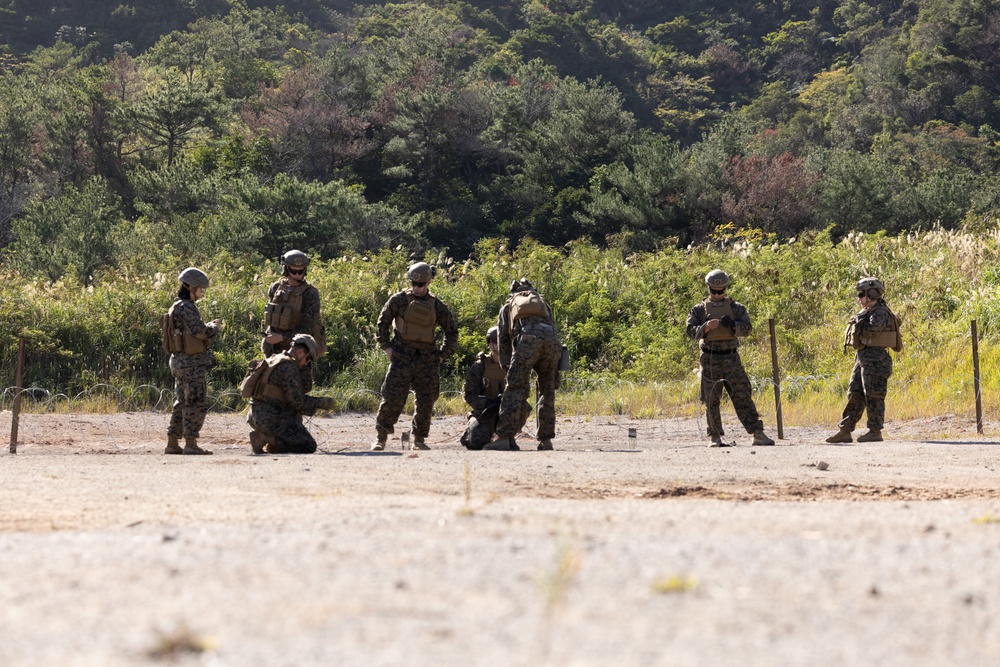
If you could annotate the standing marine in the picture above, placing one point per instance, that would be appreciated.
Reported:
(407, 329)
(292, 307)
(717, 323)
(871, 332)
(188, 340)
(528, 342)
(278, 388)
(484, 386)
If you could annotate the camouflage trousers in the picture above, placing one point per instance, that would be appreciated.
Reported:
(868, 387)
(410, 369)
(531, 353)
(191, 403)
(725, 371)
(286, 429)
(483, 424)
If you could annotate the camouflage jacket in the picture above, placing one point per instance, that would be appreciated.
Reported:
(294, 382)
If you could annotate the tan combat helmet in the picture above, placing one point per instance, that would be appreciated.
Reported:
(295, 258)
(309, 343)
(872, 287)
(193, 277)
(421, 272)
(717, 279)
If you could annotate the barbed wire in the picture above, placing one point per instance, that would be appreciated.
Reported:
(661, 410)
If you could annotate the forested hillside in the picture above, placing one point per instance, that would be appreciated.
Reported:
(152, 133)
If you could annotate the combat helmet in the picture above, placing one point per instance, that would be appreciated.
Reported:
(295, 258)
(521, 285)
(309, 343)
(492, 334)
(193, 277)
(421, 272)
(873, 287)
(717, 279)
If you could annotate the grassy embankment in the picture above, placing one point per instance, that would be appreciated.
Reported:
(622, 318)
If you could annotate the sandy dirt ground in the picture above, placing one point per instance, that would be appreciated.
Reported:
(604, 552)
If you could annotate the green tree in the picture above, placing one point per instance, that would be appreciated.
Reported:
(172, 110)
(70, 232)
(16, 150)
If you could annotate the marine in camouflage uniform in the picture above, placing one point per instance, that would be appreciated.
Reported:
(717, 324)
(872, 331)
(293, 308)
(484, 386)
(276, 409)
(528, 342)
(189, 364)
(406, 333)
(302, 319)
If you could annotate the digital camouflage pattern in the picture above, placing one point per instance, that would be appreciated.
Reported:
(722, 369)
(396, 307)
(190, 373)
(309, 324)
(529, 344)
(415, 366)
(485, 402)
(870, 375)
(281, 420)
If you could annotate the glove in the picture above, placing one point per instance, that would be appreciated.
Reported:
(728, 321)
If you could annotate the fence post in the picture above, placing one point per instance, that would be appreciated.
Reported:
(975, 379)
(15, 411)
(777, 380)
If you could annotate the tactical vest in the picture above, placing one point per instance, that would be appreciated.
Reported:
(716, 310)
(284, 311)
(257, 383)
(892, 339)
(176, 341)
(494, 377)
(416, 324)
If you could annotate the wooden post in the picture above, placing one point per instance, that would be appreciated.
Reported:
(975, 379)
(777, 379)
(15, 412)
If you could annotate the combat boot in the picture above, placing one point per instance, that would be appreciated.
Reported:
(379, 444)
(191, 448)
(761, 439)
(873, 435)
(173, 446)
(501, 443)
(418, 443)
(717, 442)
(257, 442)
(545, 445)
(843, 435)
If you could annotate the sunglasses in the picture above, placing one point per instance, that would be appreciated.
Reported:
(417, 283)
(717, 291)
(297, 272)
(862, 295)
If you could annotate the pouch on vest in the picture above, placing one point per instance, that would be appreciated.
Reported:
(527, 304)
(256, 383)
(250, 381)
(171, 338)
(284, 311)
